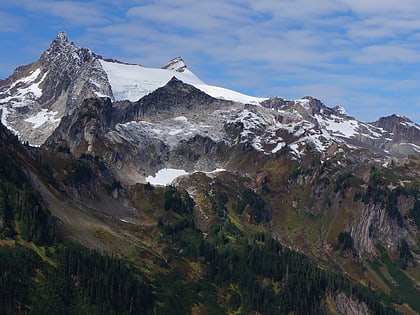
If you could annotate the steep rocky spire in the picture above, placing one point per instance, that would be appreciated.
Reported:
(60, 41)
(62, 37)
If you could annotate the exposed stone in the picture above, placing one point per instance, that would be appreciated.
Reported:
(375, 225)
(347, 306)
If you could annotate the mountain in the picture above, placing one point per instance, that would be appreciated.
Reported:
(179, 126)
(223, 202)
(41, 93)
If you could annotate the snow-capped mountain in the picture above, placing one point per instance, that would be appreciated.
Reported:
(148, 103)
(36, 96)
(179, 126)
(132, 82)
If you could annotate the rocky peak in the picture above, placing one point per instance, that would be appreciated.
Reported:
(400, 127)
(175, 96)
(311, 104)
(305, 108)
(176, 64)
(73, 74)
(390, 122)
(35, 98)
(61, 38)
(340, 109)
(306, 104)
(61, 47)
(176, 90)
(59, 44)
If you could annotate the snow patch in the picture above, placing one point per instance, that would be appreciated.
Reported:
(132, 82)
(230, 95)
(217, 170)
(278, 147)
(338, 126)
(410, 124)
(44, 116)
(32, 77)
(24, 94)
(165, 176)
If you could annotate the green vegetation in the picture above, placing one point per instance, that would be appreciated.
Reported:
(380, 190)
(345, 241)
(256, 204)
(415, 213)
(266, 277)
(40, 273)
(178, 201)
(83, 282)
(402, 287)
(21, 212)
(346, 180)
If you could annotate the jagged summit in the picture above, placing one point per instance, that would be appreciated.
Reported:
(61, 37)
(60, 42)
(396, 118)
(35, 98)
(395, 121)
(176, 64)
(400, 128)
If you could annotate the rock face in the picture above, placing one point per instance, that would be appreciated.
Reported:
(347, 306)
(40, 94)
(400, 127)
(376, 225)
(175, 126)
(77, 133)
(72, 72)
(404, 133)
(390, 136)
(180, 126)
(174, 99)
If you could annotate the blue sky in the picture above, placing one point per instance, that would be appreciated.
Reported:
(364, 55)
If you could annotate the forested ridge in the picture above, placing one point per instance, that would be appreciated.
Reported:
(256, 273)
(43, 273)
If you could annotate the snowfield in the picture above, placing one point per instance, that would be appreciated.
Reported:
(165, 176)
(132, 82)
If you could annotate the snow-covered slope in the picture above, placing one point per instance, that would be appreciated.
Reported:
(132, 82)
